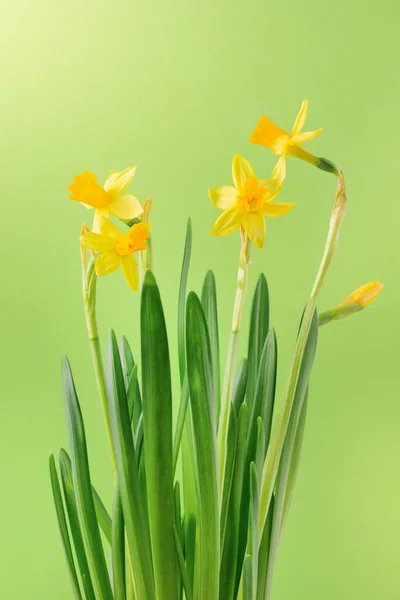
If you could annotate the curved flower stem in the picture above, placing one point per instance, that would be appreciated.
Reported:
(89, 280)
(271, 465)
(241, 285)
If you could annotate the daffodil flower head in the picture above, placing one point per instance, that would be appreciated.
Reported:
(248, 201)
(358, 300)
(116, 248)
(283, 143)
(364, 295)
(108, 199)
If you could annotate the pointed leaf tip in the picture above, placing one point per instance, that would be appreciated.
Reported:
(149, 278)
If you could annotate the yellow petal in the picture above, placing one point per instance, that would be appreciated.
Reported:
(279, 172)
(85, 188)
(305, 136)
(146, 210)
(254, 226)
(108, 229)
(223, 197)
(272, 186)
(97, 242)
(138, 235)
(129, 269)
(228, 222)
(266, 132)
(300, 119)
(241, 171)
(365, 294)
(118, 181)
(126, 207)
(276, 209)
(98, 215)
(107, 262)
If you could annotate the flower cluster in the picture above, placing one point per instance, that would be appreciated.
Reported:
(116, 248)
(244, 206)
(249, 200)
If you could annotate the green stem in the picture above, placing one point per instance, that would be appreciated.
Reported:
(89, 298)
(279, 430)
(241, 286)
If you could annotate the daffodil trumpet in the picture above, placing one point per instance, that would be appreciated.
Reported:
(109, 199)
(284, 144)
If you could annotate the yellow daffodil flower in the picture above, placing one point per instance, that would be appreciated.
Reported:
(117, 248)
(364, 295)
(248, 201)
(283, 143)
(108, 199)
(357, 301)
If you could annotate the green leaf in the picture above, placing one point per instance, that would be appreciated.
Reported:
(103, 517)
(286, 475)
(157, 428)
(83, 489)
(260, 447)
(239, 385)
(72, 510)
(248, 577)
(263, 554)
(296, 390)
(253, 540)
(231, 442)
(190, 548)
(267, 383)
(63, 527)
(231, 538)
(178, 528)
(259, 324)
(201, 388)
(131, 497)
(129, 369)
(209, 301)
(181, 560)
(183, 406)
(182, 301)
(118, 547)
(262, 406)
(295, 459)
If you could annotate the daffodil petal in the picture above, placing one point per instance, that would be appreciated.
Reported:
(97, 242)
(223, 197)
(98, 215)
(118, 181)
(266, 132)
(279, 172)
(305, 136)
(241, 171)
(107, 262)
(126, 207)
(272, 186)
(109, 229)
(276, 209)
(254, 226)
(300, 119)
(228, 222)
(130, 271)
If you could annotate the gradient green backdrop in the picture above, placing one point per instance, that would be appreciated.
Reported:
(176, 87)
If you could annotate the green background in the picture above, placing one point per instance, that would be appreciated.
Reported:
(176, 88)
